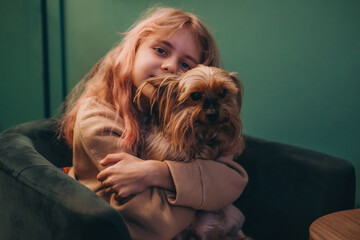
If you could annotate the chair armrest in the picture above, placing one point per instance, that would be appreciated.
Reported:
(289, 187)
(44, 139)
(38, 201)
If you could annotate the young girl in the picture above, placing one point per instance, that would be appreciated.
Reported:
(103, 125)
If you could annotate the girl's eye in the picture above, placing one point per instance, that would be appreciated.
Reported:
(161, 51)
(196, 96)
(185, 66)
(223, 93)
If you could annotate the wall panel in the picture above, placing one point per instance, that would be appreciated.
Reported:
(21, 61)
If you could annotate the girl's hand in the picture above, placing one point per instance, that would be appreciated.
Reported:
(127, 175)
(124, 174)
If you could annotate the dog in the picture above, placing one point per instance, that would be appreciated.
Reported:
(196, 115)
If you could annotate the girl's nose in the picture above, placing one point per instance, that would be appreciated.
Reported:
(169, 66)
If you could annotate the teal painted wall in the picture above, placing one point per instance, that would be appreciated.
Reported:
(299, 61)
(21, 65)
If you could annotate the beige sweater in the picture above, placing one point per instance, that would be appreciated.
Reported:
(155, 213)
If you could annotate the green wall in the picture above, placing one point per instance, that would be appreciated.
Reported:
(21, 83)
(299, 61)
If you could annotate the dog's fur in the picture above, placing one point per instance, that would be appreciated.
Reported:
(195, 116)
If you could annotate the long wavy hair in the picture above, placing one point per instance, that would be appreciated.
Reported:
(111, 78)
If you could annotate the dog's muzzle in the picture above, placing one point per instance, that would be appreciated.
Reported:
(212, 116)
(211, 107)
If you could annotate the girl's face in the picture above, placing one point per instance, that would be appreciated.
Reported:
(155, 56)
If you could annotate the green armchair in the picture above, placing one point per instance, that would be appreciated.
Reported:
(288, 189)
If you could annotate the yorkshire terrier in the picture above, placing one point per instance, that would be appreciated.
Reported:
(196, 116)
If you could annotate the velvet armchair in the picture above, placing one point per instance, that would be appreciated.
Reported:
(289, 187)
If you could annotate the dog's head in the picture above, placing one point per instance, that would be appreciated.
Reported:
(213, 93)
(203, 103)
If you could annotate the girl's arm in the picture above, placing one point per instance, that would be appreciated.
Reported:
(220, 182)
(206, 184)
(202, 184)
(128, 175)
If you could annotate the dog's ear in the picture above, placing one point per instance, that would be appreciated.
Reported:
(165, 98)
(163, 85)
(145, 89)
(152, 87)
(235, 78)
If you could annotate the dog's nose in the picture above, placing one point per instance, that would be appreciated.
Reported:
(212, 116)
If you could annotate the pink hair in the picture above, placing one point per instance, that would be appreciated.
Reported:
(111, 78)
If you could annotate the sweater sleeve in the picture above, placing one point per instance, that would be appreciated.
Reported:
(98, 130)
(207, 184)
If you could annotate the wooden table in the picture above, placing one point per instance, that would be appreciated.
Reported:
(343, 225)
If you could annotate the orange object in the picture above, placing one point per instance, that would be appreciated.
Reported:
(66, 169)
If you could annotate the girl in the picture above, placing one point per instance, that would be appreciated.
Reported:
(103, 125)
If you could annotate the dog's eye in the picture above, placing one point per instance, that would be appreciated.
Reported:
(223, 93)
(196, 96)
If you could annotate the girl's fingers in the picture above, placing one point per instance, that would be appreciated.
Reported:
(112, 159)
(102, 175)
